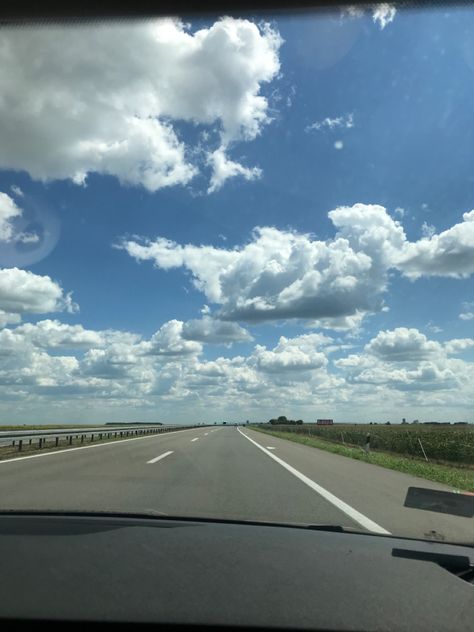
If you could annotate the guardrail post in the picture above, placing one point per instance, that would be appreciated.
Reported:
(82, 438)
(40, 443)
(20, 445)
(13, 444)
(57, 441)
(70, 440)
(29, 442)
(92, 437)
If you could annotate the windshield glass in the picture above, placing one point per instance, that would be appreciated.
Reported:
(236, 267)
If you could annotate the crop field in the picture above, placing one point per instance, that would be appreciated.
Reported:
(454, 444)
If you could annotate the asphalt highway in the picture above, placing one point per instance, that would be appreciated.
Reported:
(224, 472)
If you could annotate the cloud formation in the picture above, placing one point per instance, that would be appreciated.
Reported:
(287, 275)
(406, 360)
(23, 292)
(107, 98)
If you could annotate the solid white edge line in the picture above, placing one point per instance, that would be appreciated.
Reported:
(162, 456)
(355, 515)
(88, 447)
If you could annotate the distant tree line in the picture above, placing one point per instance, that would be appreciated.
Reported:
(282, 420)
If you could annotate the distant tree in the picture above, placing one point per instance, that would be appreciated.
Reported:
(282, 419)
(388, 423)
(299, 422)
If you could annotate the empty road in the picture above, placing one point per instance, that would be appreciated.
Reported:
(224, 472)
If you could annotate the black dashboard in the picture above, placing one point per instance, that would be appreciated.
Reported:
(168, 571)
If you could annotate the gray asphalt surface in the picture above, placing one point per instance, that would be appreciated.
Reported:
(218, 472)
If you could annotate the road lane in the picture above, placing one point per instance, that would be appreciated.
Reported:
(375, 491)
(222, 475)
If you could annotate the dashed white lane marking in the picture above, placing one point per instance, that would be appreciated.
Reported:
(205, 434)
(162, 456)
(358, 517)
(195, 439)
(269, 447)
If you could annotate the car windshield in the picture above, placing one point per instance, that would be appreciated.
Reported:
(236, 268)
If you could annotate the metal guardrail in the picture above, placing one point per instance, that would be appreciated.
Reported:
(23, 438)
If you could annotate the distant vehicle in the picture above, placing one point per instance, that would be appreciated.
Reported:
(324, 422)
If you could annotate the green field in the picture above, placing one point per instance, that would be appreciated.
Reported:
(448, 444)
(459, 478)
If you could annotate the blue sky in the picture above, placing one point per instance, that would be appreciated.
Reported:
(334, 134)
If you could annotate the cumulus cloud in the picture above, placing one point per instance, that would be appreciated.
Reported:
(297, 354)
(53, 334)
(449, 253)
(406, 360)
(169, 341)
(23, 292)
(402, 345)
(107, 98)
(213, 331)
(458, 345)
(121, 369)
(345, 122)
(332, 283)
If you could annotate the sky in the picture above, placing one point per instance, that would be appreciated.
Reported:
(234, 219)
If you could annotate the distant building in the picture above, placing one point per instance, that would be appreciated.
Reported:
(324, 422)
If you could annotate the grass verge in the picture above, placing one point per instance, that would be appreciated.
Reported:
(459, 478)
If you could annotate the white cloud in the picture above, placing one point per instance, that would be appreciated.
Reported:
(458, 345)
(169, 341)
(22, 292)
(213, 331)
(468, 311)
(338, 144)
(282, 274)
(406, 360)
(223, 168)
(402, 345)
(8, 318)
(399, 368)
(449, 253)
(400, 211)
(53, 334)
(346, 122)
(106, 98)
(297, 354)
(383, 14)
(8, 211)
